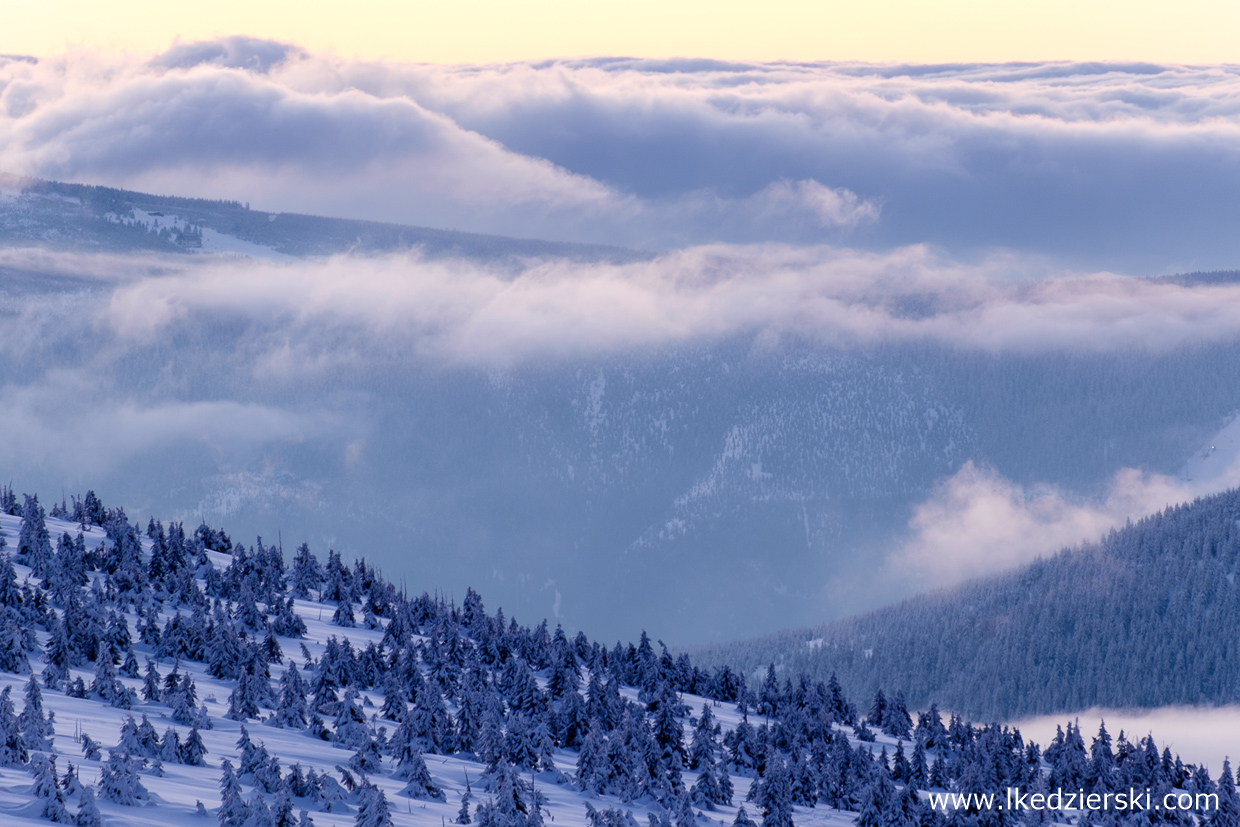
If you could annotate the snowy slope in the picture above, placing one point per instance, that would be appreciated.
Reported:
(175, 795)
(171, 792)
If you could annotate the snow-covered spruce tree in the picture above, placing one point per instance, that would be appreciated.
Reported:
(223, 649)
(343, 616)
(36, 725)
(705, 791)
(704, 747)
(192, 749)
(13, 748)
(34, 545)
(119, 781)
(352, 728)
(17, 637)
(486, 815)
(372, 808)
(59, 656)
(411, 767)
(307, 574)
(724, 781)
(683, 811)
(47, 789)
(243, 701)
(287, 623)
(1228, 810)
(900, 769)
(232, 812)
(897, 722)
(918, 769)
(292, 712)
(282, 809)
(774, 796)
(367, 760)
(88, 810)
(877, 716)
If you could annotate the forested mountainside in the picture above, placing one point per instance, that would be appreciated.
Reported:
(85, 217)
(1143, 618)
(162, 676)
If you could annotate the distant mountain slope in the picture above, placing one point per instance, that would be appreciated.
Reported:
(1147, 617)
(83, 216)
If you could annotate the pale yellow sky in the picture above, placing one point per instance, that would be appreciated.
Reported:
(452, 31)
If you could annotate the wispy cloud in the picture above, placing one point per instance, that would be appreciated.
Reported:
(73, 426)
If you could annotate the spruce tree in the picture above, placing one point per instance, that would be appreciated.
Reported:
(88, 810)
(13, 748)
(233, 810)
(47, 789)
(119, 781)
(37, 727)
(373, 810)
(703, 748)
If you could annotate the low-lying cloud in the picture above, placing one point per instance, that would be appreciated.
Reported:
(472, 313)
(1198, 734)
(74, 425)
(978, 522)
(1121, 166)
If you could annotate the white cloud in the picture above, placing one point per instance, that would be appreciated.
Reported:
(219, 131)
(474, 313)
(1201, 735)
(978, 522)
(1119, 166)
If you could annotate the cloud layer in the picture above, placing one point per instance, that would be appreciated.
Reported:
(1121, 166)
(472, 313)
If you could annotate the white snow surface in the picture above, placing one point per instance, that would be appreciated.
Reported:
(213, 241)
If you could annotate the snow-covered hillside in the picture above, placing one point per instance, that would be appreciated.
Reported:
(80, 217)
(182, 679)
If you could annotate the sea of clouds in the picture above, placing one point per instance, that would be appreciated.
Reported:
(1115, 166)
